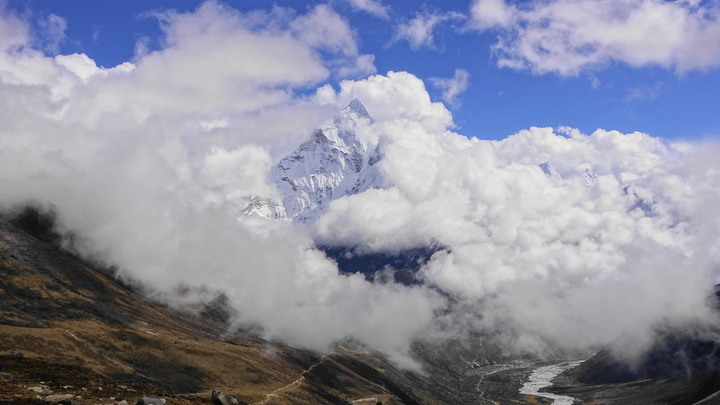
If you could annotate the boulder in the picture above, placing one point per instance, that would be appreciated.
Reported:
(233, 400)
(217, 398)
(150, 401)
(58, 398)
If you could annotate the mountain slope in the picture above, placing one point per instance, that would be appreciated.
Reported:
(67, 327)
(64, 323)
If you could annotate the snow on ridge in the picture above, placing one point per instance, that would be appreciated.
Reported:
(333, 163)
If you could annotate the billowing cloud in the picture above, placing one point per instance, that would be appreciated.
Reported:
(374, 7)
(452, 88)
(52, 33)
(617, 238)
(567, 37)
(149, 164)
(324, 29)
(14, 33)
(394, 95)
(419, 32)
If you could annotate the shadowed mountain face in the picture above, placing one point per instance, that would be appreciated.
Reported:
(678, 351)
(401, 267)
(676, 354)
(682, 366)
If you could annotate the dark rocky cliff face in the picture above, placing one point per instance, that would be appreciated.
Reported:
(401, 267)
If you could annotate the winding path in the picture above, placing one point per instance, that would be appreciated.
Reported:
(292, 384)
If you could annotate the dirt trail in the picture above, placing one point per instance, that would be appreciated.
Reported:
(292, 384)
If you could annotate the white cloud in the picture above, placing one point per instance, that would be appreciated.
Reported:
(395, 95)
(645, 92)
(419, 31)
(374, 7)
(491, 14)
(567, 37)
(150, 166)
(560, 261)
(52, 33)
(14, 33)
(453, 87)
(85, 68)
(323, 28)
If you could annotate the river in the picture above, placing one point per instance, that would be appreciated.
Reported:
(542, 377)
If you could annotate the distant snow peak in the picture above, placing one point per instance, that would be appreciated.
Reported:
(264, 208)
(333, 163)
(355, 109)
(549, 170)
(590, 178)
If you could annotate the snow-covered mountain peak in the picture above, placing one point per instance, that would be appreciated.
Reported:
(342, 129)
(549, 170)
(590, 178)
(333, 163)
(355, 109)
(265, 208)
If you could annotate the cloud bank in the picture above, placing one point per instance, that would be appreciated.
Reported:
(566, 37)
(150, 163)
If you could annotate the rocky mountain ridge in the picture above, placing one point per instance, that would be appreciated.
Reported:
(333, 163)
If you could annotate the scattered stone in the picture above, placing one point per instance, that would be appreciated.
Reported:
(123, 402)
(217, 398)
(19, 256)
(58, 399)
(150, 401)
(6, 376)
(232, 400)
(46, 391)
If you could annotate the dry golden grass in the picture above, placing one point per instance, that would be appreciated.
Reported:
(93, 333)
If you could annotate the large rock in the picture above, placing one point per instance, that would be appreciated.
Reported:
(217, 398)
(150, 401)
(59, 398)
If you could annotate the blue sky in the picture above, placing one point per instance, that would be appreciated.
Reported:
(653, 96)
